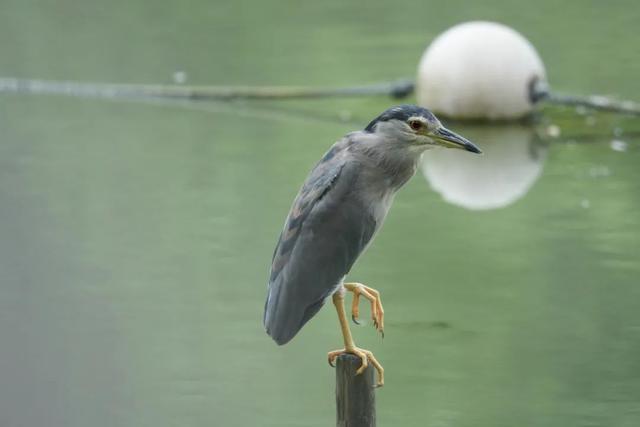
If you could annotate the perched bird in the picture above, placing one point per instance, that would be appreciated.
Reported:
(334, 217)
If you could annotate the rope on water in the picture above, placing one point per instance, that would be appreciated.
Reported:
(539, 92)
(397, 89)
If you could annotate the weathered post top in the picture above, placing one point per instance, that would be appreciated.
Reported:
(355, 394)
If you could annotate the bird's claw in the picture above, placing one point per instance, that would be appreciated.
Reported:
(366, 358)
(377, 312)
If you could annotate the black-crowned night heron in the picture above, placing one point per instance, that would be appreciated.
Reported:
(339, 209)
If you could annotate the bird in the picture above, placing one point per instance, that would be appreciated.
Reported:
(336, 214)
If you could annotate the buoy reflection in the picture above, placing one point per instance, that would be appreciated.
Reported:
(513, 160)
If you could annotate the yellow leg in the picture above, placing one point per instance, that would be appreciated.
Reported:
(349, 346)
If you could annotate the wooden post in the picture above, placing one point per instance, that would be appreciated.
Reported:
(355, 394)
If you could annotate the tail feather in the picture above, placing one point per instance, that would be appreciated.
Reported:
(283, 319)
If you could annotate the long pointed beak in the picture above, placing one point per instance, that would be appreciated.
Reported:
(452, 140)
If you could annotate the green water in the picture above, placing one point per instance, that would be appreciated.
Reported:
(136, 239)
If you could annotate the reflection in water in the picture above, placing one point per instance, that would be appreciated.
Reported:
(512, 161)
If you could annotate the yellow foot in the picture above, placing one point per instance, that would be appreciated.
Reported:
(377, 312)
(365, 356)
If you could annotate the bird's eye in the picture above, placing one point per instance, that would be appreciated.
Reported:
(415, 124)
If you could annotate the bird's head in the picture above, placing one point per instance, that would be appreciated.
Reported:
(417, 128)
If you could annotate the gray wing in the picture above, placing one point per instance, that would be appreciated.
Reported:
(325, 232)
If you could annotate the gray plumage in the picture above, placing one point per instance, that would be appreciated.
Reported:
(338, 210)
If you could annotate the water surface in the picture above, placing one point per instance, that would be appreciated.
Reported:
(136, 238)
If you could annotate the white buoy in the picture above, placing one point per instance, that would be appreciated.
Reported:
(479, 70)
(513, 160)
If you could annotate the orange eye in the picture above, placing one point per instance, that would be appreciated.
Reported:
(415, 124)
